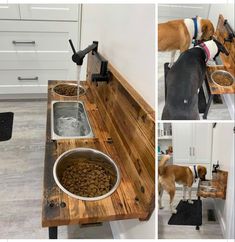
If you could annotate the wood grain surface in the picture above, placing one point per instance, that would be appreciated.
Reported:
(228, 61)
(219, 184)
(123, 126)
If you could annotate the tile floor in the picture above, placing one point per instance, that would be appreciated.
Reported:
(208, 230)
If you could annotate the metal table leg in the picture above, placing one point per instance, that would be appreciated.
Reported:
(166, 69)
(53, 232)
(198, 226)
(208, 106)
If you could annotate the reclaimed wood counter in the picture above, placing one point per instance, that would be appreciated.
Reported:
(134, 197)
(218, 184)
(228, 61)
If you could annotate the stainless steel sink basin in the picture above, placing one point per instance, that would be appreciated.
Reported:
(69, 121)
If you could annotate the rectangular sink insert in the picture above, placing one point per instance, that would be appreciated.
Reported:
(69, 120)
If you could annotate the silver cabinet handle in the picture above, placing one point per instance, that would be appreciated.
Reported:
(193, 151)
(190, 151)
(23, 42)
(28, 78)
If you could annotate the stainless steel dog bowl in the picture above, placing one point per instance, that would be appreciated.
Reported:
(91, 155)
(65, 123)
(225, 74)
(82, 90)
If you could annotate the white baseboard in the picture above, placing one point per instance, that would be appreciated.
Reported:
(230, 104)
(221, 220)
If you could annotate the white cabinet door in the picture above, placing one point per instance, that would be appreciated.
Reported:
(9, 11)
(202, 142)
(62, 12)
(182, 142)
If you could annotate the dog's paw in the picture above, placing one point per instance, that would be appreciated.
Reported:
(174, 211)
(170, 65)
(190, 201)
(184, 200)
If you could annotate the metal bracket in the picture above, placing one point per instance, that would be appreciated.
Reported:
(104, 74)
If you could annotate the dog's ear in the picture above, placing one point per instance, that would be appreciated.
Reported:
(202, 171)
(207, 29)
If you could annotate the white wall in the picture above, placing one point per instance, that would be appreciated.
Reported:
(126, 35)
(223, 150)
(227, 10)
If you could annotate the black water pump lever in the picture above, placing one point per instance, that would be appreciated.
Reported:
(79, 56)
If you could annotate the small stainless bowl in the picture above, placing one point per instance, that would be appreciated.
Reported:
(98, 157)
(225, 74)
(82, 90)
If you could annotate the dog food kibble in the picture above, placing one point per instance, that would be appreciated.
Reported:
(66, 90)
(222, 79)
(86, 179)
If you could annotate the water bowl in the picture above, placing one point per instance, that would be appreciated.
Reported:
(69, 120)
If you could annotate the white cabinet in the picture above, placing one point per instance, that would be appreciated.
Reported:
(33, 52)
(182, 142)
(192, 144)
(202, 143)
(65, 12)
(9, 11)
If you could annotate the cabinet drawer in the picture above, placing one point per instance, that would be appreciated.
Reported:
(9, 11)
(33, 41)
(30, 77)
(64, 12)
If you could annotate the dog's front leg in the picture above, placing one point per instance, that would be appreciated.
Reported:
(172, 195)
(184, 193)
(172, 59)
(190, 194)
(160, 197)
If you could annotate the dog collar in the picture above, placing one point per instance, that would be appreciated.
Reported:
(195, 171)
(206, 50)
(195, 28)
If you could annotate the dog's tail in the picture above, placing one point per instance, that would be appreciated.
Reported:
(162, 164)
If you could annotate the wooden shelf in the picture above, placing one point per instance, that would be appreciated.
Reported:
(228, 61)
(217, 187)
(115, 110)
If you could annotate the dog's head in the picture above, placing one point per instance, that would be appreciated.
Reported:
(207, 29)
(201, 170)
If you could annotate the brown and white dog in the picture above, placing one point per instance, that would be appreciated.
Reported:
(168, 175)
(178, 34)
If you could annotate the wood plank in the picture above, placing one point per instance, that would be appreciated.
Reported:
(130, 121)
(219, 183)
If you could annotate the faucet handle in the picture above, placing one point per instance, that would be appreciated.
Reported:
(72, 46)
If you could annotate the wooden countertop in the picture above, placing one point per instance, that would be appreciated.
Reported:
(218, 186)
(122, 204)
(228, 61)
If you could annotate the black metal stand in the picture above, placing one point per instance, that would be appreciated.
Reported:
(198, 226)
(166, 69)
(208, 106)
(53, 232)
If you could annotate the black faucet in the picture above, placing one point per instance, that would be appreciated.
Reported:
(79, 56)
